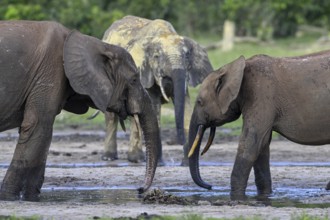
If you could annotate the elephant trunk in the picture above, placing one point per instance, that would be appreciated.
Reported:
(196, 132)
(179, 87)
(150, 128)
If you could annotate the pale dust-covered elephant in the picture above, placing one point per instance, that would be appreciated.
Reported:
(288, 95)
(167, 63)
(44, 68)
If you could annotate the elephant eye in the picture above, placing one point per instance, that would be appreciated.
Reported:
(188, 60)
(156, 56)
(200, 102)
(134, 80)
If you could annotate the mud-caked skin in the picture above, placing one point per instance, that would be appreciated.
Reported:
(44, 68)
(167, 63)
(288, 95)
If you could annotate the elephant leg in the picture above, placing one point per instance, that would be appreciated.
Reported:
(249, 149)
(135, 153)
(25, 175)
(110, 143)
(187, 117)
(239, 176)
(187, 113)
(262, 171)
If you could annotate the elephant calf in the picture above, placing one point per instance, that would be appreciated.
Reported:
(288, 95)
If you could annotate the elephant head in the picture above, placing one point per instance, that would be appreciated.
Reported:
(215, 105)
(107, 76)
(165, 60)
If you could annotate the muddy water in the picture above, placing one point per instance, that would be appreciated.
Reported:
(79, 185)
(128, 164)
(281, 197)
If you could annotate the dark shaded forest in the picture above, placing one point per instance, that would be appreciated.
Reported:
(256, 18)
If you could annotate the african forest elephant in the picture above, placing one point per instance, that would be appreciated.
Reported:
(288, 95)
(44, 68)
(167, 63)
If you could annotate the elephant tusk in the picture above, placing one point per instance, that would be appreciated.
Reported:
(122, 124)
(197, 140)
(163, 91)
(94, 115)
(137, 123)
(210, 140)
(164, 94)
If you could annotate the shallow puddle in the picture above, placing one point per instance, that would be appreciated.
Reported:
(282, 197)
(127, 164)
(114, 196)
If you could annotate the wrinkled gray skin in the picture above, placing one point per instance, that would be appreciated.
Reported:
(44, 68)
(167, 63)
(288, 95)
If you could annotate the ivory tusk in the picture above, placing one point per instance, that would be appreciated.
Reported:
(199, 134)
(93, 115)
(137, 123)
(122, 124)
(163, 91)
(210, 140)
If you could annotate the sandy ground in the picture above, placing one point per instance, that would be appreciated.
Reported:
(298, 172)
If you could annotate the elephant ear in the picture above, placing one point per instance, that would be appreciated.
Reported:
(229, 83)
(85, 60)
(200, 65)
(142, 57)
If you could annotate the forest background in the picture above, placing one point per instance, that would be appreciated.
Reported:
(260, 18)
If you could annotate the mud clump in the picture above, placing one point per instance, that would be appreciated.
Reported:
(142, 216)
(160, 197)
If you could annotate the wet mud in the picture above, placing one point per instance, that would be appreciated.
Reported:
(79, 185)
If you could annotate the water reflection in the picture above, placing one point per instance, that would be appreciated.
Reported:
(282, 197)
(169, 164)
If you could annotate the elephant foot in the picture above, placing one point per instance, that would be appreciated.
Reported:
(264, 199)
(238, 196)
(265, 193)
(109, 156)
(172, 141)
(31, 197)
(328, 186)
(136, 156)
(160, 162)
(184, 162)
(6, 196)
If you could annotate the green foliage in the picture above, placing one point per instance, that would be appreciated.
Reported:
(20, 11)
(305, 216)
(13, 217)
(263, 19)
